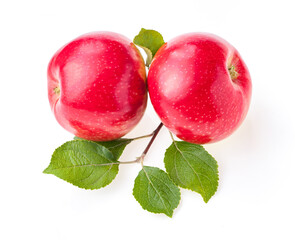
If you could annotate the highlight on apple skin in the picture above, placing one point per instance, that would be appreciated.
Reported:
(200, 87)
(97, 86)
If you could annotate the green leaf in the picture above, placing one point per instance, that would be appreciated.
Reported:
(116, 146)
(191, 166)
(155, 191)
(84, 164)
(150, 41)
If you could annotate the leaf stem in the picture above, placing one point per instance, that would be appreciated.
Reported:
(127, 162)
(172, 136)
(141, 137)
(174, 142)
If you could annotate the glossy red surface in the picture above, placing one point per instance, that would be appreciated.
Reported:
(102, 83)
(191, 89)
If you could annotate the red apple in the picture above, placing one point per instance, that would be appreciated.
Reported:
(200, 87)
(97, 86)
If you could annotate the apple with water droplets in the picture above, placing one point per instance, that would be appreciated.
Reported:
(200, 87)
(97, 86)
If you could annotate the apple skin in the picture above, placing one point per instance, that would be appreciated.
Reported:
(200, 87)
(97, 86)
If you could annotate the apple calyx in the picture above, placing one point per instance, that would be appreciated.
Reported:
(233, 73)
(57, 90)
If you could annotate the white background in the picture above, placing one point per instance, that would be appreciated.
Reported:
(255, 198)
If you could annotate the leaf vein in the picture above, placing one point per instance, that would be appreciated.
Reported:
(86, 165)
(166, 185)
(162, 200)
(93, 183)
(192, 169)
(201, 160)
(176, 171)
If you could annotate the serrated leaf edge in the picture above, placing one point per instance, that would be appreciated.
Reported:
(206, 200)
(89, 188)
(111, 164)
(144, 208)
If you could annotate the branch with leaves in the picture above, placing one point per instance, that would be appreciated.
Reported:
(93, 165)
